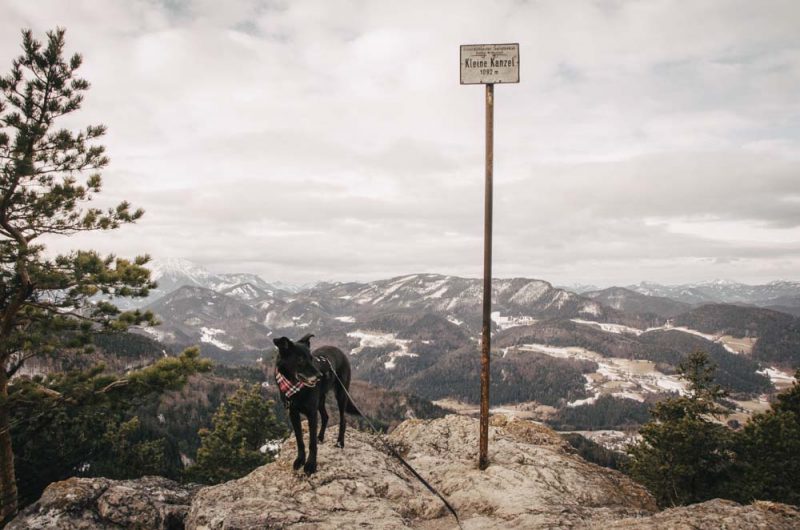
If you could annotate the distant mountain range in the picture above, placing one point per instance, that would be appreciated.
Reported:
(775, 293)
(420, 332)
(630, 301)
(173, 273)
(779, 295)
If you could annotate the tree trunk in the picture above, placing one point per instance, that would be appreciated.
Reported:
(8, 480)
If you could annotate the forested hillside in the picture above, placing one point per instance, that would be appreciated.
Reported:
(778, 333)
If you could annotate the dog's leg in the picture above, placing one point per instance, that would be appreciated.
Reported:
(311, 463)
(323, 414)
(297, 427)
(341, 400)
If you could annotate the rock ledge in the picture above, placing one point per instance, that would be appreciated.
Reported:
(152, 503)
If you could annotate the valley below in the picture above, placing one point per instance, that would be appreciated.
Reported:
(590, 363)
(581, 362)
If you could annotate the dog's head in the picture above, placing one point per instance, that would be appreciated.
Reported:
(295, 361)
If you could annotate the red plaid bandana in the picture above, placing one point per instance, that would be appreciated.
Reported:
(286, 387)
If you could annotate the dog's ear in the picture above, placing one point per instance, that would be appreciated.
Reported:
(282, 343)
(306, 339)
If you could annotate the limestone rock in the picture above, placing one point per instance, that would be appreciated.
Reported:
(152, 503)
(533, 481)
(358, 486)
(715, 514)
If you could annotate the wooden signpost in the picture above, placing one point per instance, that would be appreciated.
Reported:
(487, 64)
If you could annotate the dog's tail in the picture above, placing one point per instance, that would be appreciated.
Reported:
(351, 408)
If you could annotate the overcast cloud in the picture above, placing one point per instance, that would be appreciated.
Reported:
(307, 140)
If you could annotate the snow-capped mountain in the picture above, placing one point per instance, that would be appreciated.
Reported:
(420, 332)
(253, 293)
(630, 301)
(687, 294)
(293, 287)
(335, 309)
(225, 282)
(579, 288)
(724, 291)
(173, 273)
(460, 299)
(196, 315)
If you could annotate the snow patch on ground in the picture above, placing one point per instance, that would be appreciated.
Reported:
(391, 364)
(608, 327)
(155, 333)
(672, 386)
(243, 291)
(690, 331)
(271, 446)
(377, 340)
(707, 336)
(439, 293)
(397, 284)
(209, 335)
(369, 339)
(624, 378)
(561, 298)
(437, 289)
(347, 319)
(587, 401)
(591, 308)
(778, 377)
(455, 321)
(510, 322)
(560, 352)
(530, 292)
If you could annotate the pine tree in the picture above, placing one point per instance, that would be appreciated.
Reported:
(84, 423)
(768, 452)
(47, 175)
(240, 427)
(684, 456)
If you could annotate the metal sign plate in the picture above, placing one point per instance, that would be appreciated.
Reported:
(489, 63)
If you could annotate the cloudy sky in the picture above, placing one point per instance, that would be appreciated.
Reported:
(305, 140)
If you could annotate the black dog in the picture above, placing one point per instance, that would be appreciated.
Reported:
(304, 380)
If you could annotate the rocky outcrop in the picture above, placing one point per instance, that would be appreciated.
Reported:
(533, 481)
(716, 514)
(358, 486)
(148, 503)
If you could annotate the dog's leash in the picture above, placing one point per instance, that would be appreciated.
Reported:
(392, 450)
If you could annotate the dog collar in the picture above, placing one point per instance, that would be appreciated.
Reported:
(287, 387)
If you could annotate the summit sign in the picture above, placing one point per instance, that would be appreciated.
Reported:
(489, 63)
